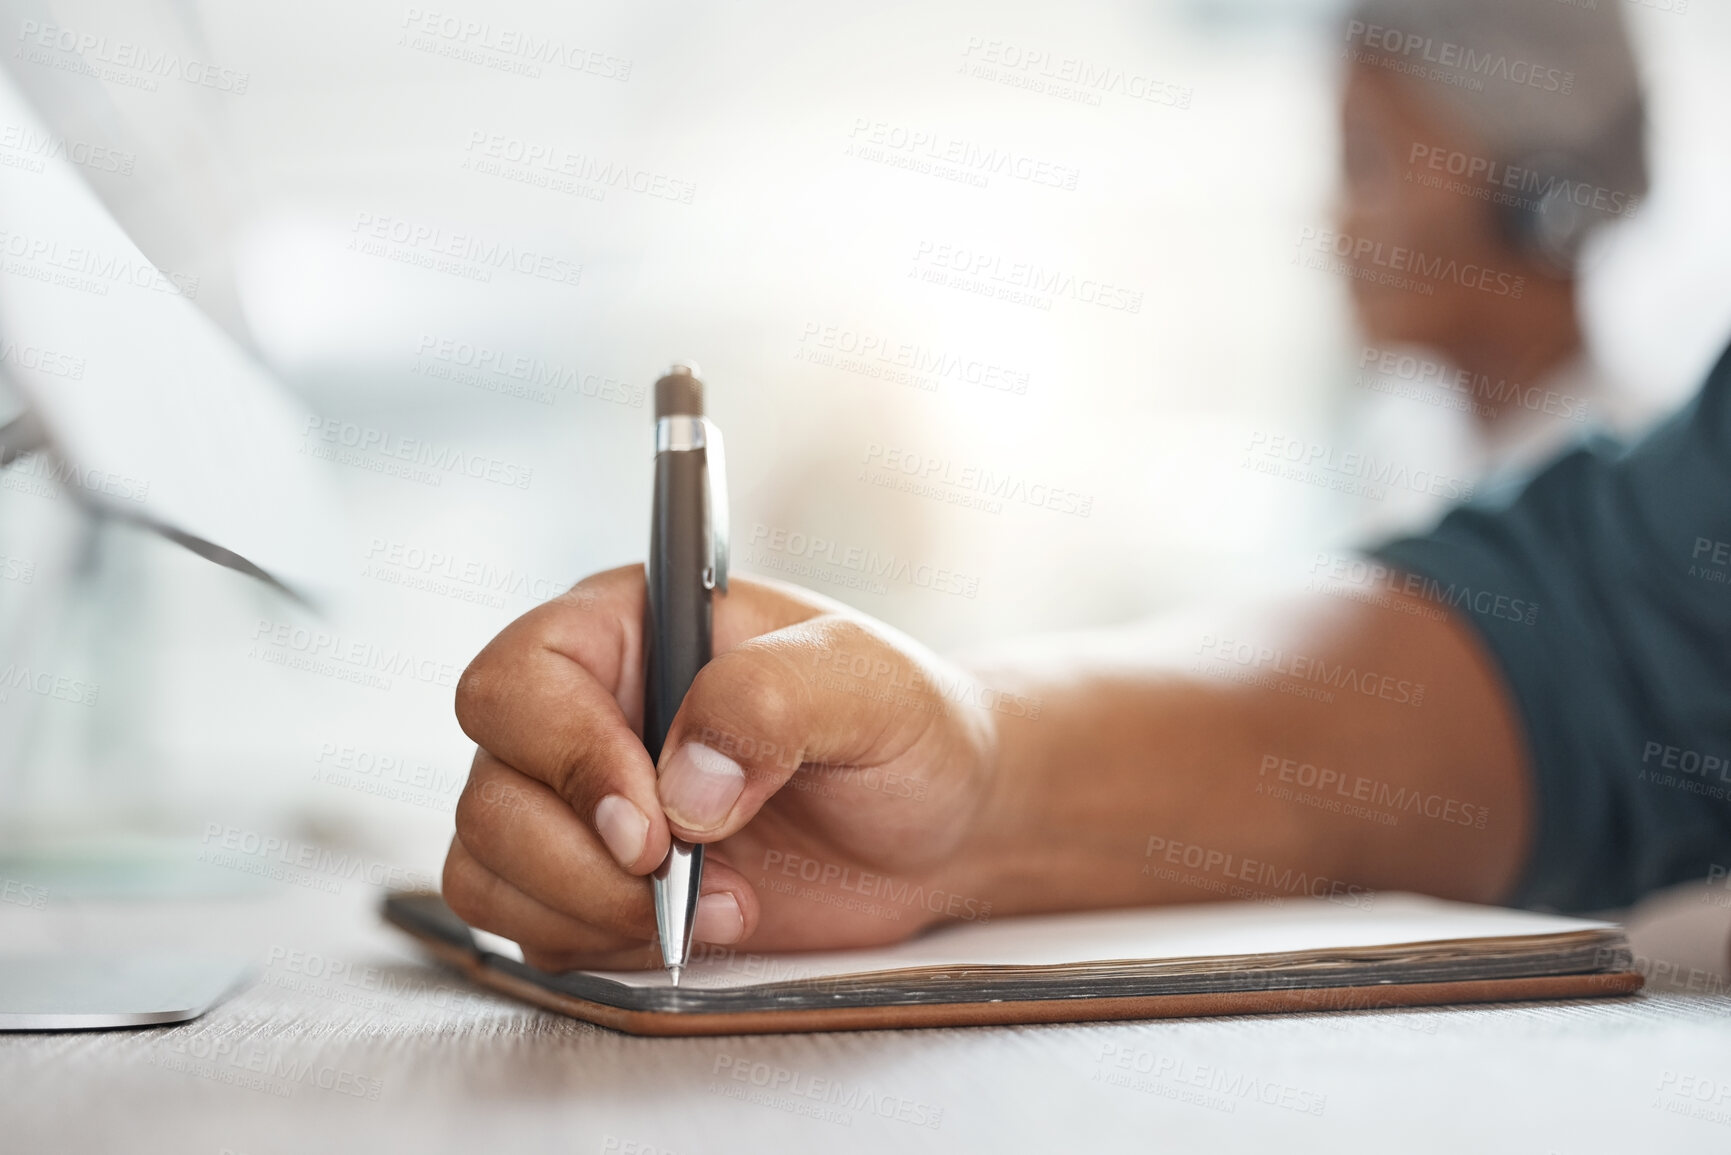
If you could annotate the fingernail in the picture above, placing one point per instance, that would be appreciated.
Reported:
(718, 919)
(623, 828)
(700, 786)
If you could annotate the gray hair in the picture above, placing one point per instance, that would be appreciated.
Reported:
(1544, 82)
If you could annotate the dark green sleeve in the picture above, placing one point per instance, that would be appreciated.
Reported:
(1620, 662)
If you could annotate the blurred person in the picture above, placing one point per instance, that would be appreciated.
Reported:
(1537, 692)
(1484, 143)
(1529, 704)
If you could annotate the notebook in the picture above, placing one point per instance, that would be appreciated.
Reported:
(1158, 962)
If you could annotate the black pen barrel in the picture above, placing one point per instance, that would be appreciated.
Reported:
(676, 629)
(687, 562)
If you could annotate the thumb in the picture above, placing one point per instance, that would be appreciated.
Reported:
(829, 690)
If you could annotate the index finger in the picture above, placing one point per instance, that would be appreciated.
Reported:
(559, 696)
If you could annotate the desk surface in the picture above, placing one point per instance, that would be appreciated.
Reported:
(346, 1041)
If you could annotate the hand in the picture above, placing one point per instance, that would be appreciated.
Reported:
(831, 765)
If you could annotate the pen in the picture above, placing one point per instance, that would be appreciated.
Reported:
(688, 536)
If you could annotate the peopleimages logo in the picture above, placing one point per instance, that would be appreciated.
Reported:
(42, 360)
(814, 1097)
(351, 444)
(882, 140)
(1089, 79)
(496, 370)
(17, 569)
(1398, 266)
(1453, 61)
(855, 559)
(1710, 561)
(1307, 670)
(1343, 574)
(980, 486)
(40, 257)
(40, 147)
(45, 475)
(225, 845)
(346, 658)
(912, 896)
(453, 575)
(1523, 186)
(1358, 788)
(913, 687)
(1312, 461)
(47, 684)
(122, 61)
(436, 248)
(1392, 370)
(1268, 880)
(582, 168)
(1024, 276)
(1662, 756)
(902, 362)
(482, 42)
(1143, 1070)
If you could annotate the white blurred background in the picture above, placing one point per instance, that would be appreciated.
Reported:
(364, 122)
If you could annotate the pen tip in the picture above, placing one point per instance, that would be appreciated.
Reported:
(674, 971)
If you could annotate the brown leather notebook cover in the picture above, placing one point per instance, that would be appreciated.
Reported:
(1583, 965)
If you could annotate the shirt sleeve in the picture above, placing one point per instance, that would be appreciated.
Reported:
(1603, 590)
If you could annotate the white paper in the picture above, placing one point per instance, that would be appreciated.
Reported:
(1149, 934)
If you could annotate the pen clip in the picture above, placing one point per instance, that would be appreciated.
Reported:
(716, 527)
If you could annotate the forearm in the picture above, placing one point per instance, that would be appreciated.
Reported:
(1328, 747)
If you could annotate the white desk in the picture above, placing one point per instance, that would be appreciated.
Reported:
(387, 1054)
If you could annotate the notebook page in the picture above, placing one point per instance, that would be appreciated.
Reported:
(1231, 928)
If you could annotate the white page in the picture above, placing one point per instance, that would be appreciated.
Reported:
(1154, 933)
